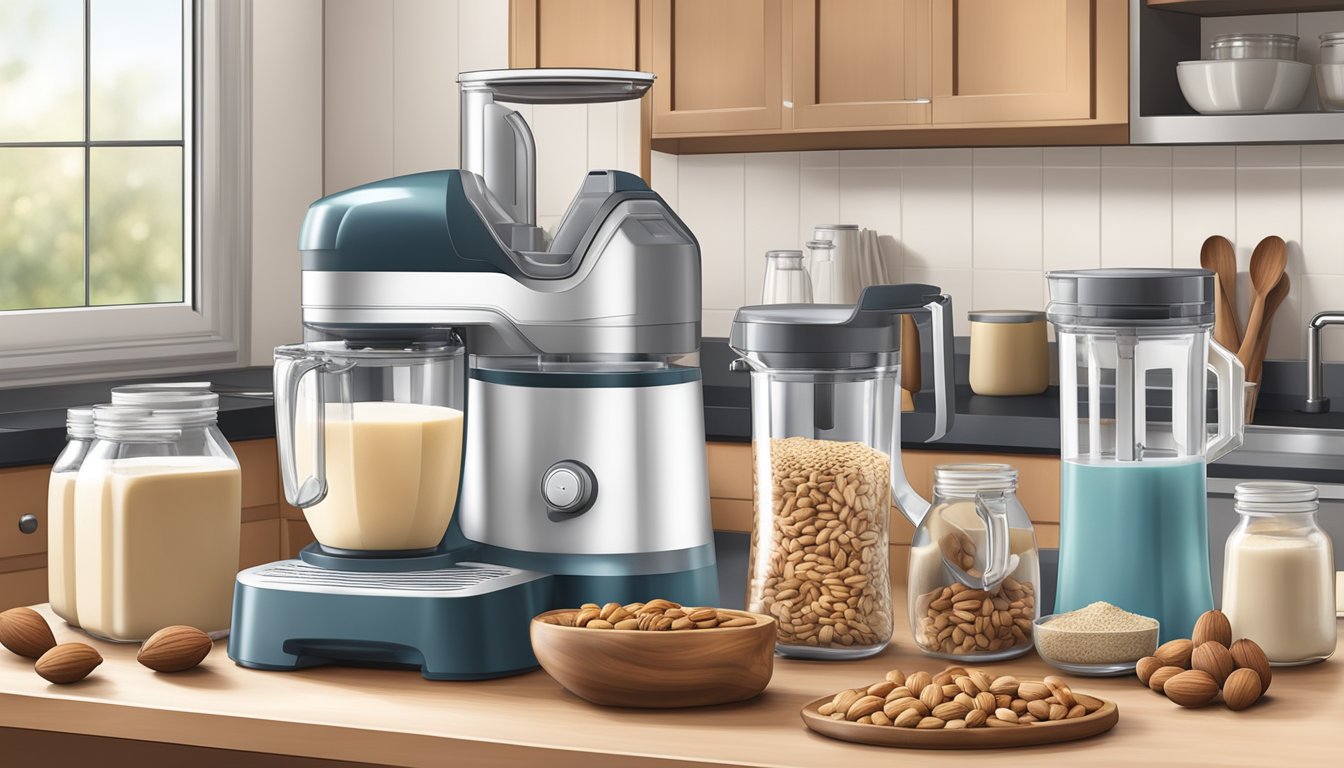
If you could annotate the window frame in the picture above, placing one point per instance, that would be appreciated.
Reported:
(209, 330)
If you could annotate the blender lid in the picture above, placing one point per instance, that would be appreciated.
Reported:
(1131, 297)
(829, 336)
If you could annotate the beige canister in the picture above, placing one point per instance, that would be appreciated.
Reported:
(1009, 352)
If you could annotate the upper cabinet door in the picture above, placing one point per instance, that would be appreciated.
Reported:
(573, 33)
(719, 65)
(1019, 61)
(860, 63)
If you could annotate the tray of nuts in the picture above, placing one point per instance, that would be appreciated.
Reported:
(960, 709)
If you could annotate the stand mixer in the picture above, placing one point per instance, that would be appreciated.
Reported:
(582, 469)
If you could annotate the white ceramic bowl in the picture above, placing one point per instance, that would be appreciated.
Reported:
(1243, 86)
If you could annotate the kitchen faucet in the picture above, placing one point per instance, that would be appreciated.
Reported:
(1317, 402)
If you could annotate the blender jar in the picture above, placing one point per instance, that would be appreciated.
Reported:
(974, 568)
(826, 462)
(1134, 348)
(158, 505)
(61, 514)
(370, 442)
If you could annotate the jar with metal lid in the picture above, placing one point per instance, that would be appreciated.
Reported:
(826, 439)
(1330, 72)
(1254, 45)
(1010, 352)
(61, 513)
(158, 505)
(974, 568)
(1279, 574)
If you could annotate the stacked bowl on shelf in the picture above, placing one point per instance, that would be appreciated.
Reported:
(1248, 73)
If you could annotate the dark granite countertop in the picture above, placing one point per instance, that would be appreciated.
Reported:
(32, 420)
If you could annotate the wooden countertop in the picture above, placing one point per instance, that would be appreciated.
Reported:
(396, 717)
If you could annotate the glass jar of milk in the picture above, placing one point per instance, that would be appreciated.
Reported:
(61, 513)
(1279, 574)
(158, 504)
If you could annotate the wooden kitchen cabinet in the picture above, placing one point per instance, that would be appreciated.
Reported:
(1024, 61)
(720, 65)
(573, 33)
(770, 75)
(860, 63)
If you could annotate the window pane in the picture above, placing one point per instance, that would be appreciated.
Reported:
(41, 70)
(41, 228)
(135, 225)
(135, 72)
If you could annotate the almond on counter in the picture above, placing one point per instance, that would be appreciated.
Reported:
(25, 632)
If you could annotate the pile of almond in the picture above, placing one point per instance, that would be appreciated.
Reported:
(957, 698)
(656, 615)
(1193, 672)
(24, 632)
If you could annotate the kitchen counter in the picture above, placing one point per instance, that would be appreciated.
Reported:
(387, 716)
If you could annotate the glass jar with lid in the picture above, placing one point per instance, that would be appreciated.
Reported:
(974, 569)
(61, 512)
(1254, 45)
(158, 505)
(1279, 574)
(786, 279)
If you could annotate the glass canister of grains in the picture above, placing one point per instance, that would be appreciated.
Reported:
(974, 567)
(826, 464)
(1279, 574)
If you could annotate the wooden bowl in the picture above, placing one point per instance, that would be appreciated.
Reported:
(658, 670)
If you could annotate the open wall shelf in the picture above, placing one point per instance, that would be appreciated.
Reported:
(1245, 7)
(1159, 114)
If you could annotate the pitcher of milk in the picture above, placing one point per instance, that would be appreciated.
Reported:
(1134, 348)
(370, 441)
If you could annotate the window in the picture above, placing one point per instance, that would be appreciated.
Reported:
(121, 162)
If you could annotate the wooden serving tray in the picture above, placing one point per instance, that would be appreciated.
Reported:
(1052, 732)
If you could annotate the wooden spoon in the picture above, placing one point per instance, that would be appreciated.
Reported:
(1219, 257)
(1268, 261)
(1257, 366)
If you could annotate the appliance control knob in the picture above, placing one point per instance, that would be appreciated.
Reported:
(568, 488)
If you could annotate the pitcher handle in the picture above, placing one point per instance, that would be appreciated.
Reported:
(993, 510)
(944, 358)
(1231, 402)
(289, 374)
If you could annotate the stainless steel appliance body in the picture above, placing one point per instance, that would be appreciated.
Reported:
(583, 469)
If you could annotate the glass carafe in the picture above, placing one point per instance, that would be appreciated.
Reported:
(370, 442)
(1134, 348)
(826, 462)
(974, 569)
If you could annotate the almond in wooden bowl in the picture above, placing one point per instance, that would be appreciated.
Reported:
(658, 669)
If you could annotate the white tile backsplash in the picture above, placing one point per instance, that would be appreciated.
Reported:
(711, 191)
(986, 224)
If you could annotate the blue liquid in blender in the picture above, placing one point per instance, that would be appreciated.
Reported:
(1136, 535)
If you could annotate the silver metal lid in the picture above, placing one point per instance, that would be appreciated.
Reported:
(836, 226)
(558, 85)
(166, 395)
(79, 423)
(1006, 316)
(1331, 39)
(1140, 298)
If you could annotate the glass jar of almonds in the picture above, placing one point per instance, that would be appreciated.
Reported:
(974, 568)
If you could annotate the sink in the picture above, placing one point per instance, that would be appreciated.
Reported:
(1290, 447)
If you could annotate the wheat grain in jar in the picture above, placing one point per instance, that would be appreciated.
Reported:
(826, 469)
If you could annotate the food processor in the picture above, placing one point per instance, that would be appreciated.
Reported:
(1134, 347)
(439, 318)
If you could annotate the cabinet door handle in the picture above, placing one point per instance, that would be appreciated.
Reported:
(28, 524)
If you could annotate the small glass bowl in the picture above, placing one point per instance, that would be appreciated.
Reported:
(1140, 642)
